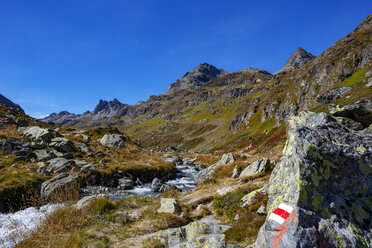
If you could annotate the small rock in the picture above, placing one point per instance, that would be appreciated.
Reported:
(236, 217)
(169, 205)
(125, 183)
(155, 185)
(88, 199)
(261, 210)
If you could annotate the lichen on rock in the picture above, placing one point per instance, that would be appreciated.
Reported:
(325, 174)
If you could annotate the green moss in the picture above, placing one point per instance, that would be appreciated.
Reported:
(325, 213)
(359, 214)
(315, 178)
(364, 167)
(317, 200)
(357, 77)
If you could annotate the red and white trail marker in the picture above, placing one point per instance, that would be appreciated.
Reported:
(281, 213)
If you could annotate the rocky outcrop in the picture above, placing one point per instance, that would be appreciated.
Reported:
(203, 175)
(360, 111)
(297, 59)
(15, 147)
(206, 232)
(332, 95)
(57, 165)
(169, 205)
(43, 138)
(326, 176)
(197, 77)
(60, 187)
(113, 140)
(349, 123)
(9, 103)
(261, 165)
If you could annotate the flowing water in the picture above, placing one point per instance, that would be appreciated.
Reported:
(14, 227)
(184, 180)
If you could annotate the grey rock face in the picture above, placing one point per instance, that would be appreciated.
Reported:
(197, 77)
(208, 172)
(360, 112)
(239, 120)
(22, 153)
(9, 145)
(326, 176)
(113, 140)
(44, 155)
(297, 59)
(206, 232)
(59, 186)
(332, 95)
(63, 145)
(169, 205)
(237, 170)
(349, 123)
(59, 165)
(261, 165)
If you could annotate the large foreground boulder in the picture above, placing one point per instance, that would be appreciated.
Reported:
(61, 187)
(325, 175)
(203, 175)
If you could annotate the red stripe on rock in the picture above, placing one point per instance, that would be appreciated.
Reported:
(281, 212)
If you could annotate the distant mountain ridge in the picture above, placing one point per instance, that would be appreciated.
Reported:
(208, 108)
(104, 109)
(9, 103)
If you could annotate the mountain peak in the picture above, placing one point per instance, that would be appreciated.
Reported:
(197, 77)
(106, 106)
(297, 59)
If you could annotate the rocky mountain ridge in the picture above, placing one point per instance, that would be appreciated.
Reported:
(9, 103)
(252, 103)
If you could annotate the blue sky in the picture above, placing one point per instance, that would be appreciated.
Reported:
(66, 55)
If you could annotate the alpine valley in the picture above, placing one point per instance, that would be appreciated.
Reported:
(206, 164)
